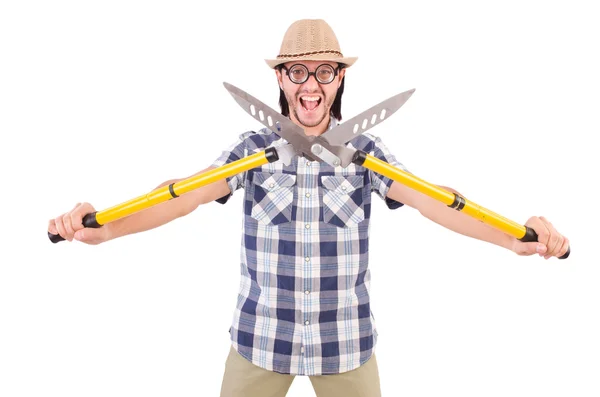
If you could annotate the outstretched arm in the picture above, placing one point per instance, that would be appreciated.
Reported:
(69, 225)
(551, 243)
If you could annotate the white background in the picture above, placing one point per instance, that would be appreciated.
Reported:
(103, 101)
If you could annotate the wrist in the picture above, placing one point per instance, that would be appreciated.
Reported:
(508, 242)
(110, 231)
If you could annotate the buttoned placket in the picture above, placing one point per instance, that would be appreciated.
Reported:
(310, 171)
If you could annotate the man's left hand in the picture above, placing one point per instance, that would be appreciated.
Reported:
(550, 242)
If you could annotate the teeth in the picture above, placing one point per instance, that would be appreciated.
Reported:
(310, 98)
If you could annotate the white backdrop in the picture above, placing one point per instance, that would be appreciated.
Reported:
(101, 102)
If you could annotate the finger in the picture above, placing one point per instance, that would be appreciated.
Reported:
(564, 248)
(555, 248)
(52, 227)
(79, 213)
(540, 229)
(60, 227)
(91, 235)
(530, 248)
(77, 216)
(67, 225)
(554, 241)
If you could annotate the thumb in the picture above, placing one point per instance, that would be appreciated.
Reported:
(530, 248)
(90, 235)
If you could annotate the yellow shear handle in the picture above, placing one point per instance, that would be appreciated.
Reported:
(99, 218)
(451, 199)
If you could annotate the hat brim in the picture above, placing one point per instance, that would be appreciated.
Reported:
(348, 61)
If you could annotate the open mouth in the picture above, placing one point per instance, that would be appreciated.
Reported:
(310, 103)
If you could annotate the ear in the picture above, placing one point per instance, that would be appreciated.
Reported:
(341, 74)
(279, 78)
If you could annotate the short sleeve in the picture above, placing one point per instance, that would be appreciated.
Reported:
(381, 184)
(234, 152)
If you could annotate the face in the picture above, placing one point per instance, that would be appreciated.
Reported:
(309, 102)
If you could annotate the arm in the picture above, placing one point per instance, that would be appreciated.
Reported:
(551, 242)
(168, 211)
(69, 225)
(445, 216)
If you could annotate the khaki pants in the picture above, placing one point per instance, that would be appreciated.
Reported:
(244, 379)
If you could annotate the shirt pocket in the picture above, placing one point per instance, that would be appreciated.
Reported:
(343, 200)
(273, 197)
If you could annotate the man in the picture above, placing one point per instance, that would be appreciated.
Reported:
(303, 306)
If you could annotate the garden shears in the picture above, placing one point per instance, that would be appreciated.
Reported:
(329, 147)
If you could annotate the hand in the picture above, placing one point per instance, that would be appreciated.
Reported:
(70, 226)
(550, 241)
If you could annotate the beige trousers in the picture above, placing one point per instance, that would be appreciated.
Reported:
(244, 379)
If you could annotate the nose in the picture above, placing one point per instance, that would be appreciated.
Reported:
(311, 82)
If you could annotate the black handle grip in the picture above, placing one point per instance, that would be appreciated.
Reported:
(531, 235)
(88, 221)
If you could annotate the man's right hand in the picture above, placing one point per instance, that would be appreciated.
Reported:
(70, 226)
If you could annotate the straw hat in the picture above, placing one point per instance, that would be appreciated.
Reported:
(310, 40)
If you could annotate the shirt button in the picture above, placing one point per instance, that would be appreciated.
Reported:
(307, 226)
(308, 163)
(343, 187)
(306, 322)
(272, 185)
(307, 292)
(307, 259)
(307, 194)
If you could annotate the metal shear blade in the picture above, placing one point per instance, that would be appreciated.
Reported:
(330, 147)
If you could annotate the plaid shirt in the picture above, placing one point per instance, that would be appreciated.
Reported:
(303, 303)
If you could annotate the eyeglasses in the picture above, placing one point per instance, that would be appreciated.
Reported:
(299, 73)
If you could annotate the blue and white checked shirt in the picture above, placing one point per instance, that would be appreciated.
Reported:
(303, 304)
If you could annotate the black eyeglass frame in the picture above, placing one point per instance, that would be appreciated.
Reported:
(336, 71)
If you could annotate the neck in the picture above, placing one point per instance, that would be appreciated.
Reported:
(316, 130)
